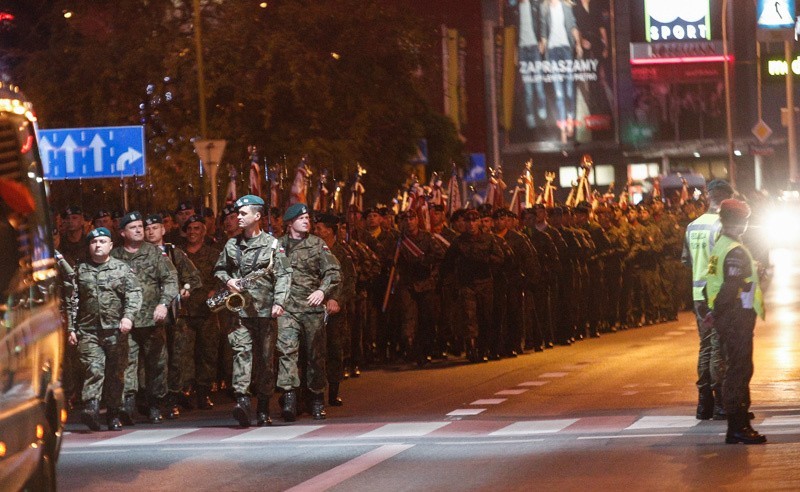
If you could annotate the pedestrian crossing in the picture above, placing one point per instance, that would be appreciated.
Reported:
(614, 426)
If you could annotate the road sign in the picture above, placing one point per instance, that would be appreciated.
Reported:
(762, 131)
(106, 152)
(477, 168)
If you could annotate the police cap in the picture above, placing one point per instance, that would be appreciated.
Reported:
(733, 211)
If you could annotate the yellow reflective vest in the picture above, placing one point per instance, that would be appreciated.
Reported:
(754, 298)
(701, 234)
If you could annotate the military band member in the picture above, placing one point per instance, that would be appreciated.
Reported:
(109, 296)
(254, 334)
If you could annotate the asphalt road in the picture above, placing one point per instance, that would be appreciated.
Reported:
(611, 413)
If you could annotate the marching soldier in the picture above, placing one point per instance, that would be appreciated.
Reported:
(159, 283)
(251, 253)
(597, 310)
(446, 290)
(569, 252)
(613, 266)
(182, 214)
(308, 274)
(108, 298)
(653, 247)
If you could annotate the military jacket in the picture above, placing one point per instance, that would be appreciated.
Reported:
(546, 249)
(473, 258)
(599, 238)
(419, 262)
(157, 278)
(528, 268)
(618, 248)
(204, 260)
(187, 273)
(301, 269)
(242, 256)
(74, 252)
(107, 293)
(346, 290)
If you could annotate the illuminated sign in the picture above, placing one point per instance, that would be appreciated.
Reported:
(779, 67)
(776, 14)
(677, 20)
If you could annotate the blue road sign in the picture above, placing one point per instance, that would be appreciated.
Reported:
(477, 168)
(108, 152)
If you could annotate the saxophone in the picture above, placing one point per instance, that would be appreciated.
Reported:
(237, 302)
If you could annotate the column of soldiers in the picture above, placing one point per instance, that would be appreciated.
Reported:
(337, 294)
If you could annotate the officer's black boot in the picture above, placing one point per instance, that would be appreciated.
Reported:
(289, 410)
(173, 411)
(126, 412)
(154, 414)
(472, 351)
(740, 431)
(705, 405)
(334, 399)
(719, 406)
(204, 398)
(241, 412)
(262, 413)
(112, 419)
(186, 399)
(318, 406)
(90, 415)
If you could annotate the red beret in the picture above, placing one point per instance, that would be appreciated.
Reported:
(733, 210)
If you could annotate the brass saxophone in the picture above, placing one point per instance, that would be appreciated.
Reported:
(237, 302)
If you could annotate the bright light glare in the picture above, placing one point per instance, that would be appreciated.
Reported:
(67, 14)
(263, 5)
(737, 153)
(781, 227)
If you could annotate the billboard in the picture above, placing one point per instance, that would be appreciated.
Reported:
(776, 14)
(553, 74)
(677, 20)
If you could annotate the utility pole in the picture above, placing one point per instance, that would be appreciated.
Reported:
(201, 87)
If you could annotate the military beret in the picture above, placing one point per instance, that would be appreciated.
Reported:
(116, 214)
(327, 219)
(183, 206)
(457, 214)
(72, 210)
(102, 213)
(129, 217)
(499, 213)
(472, 214)
(721, 186)
(248, 200)
(485, 210)
(207, 212)
(583, 207)
(196, 218)
(555, 211)
(406, 214)
(732, 210)
(437, 208)
(95, 233)
(368, 211)
(538, 206)
(228, 210)
(294, 211)
(383, 211)
(153, 219)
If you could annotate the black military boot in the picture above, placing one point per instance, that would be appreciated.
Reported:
(241, 412)
(204, 398)
(186, 399)
(154, 414)
(112, 419)
(126, 412)
(719, 406)
(334, 399)
(473, 355)
(173, 411)
(740, 431)
(705, 405)
(318, 406)
(262, 413)
(90, 415)
(289, 410)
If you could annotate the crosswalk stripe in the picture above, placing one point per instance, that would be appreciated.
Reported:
(460, 412)
(511, 392)
(489, 401)
(273, 433)
(553, 375)
(533, 383)
(782, 420)
(663, 422)
(142, 437)
(410, 429)
(534, 427)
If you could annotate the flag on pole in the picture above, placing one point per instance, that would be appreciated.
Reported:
(357, 190)
(299, 190)
(255, 171)
(454, 200)
(230, 196)
(529, 196)
(684, 191)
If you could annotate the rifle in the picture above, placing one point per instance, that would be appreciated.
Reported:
(392, 274)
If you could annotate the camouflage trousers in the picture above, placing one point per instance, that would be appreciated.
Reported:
(305, 330)
(228, 322)
(253, 345)
(195, 348)
(418, 319)
(72, 372)
(151, 344)
(476, 301)
(710, 358)
(736, 334)
(335, 340)
(104, 355)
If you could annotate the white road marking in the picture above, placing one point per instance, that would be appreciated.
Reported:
(782, 420)
(408, 429)
(466, 411)
(663, 422)
(534, 427)
(137, 438)
(629, 393)
(533, 383)
(489, 401)
(660, 339)
(511, 392)
(631, 385)
(673, 333)
(339, 474)
(629, 436)
(273, 433)
(497, 441)
(553, 375)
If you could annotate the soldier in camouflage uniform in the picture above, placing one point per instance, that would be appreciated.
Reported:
(337, 306)
(102, 314)
(310, 273)
(545, 289)
(159, 283)
(253, 337)
(445, 290)
(178, 342)
(613, 266)
(651, 274)
(671, 267)
(74, 249)
(597, 310)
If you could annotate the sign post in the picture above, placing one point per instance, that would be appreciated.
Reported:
(210, 153)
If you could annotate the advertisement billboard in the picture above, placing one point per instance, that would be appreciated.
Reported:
(553, 73)
(677, 20)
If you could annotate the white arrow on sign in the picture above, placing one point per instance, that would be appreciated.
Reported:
(97, 146)
(45, 147)
(69, 147)
(127, 158)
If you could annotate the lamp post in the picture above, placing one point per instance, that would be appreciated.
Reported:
(727, 76)
(201, 87)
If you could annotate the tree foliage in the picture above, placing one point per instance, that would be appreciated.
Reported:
(337, 81)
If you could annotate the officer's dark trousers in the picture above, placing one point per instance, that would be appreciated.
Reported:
(710, 359)
(736, 333)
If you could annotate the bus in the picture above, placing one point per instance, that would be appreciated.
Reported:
(32, 409)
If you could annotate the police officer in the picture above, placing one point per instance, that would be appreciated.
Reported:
(305, 263)
(159, 283)
(700, 238)
(735, 300)
(109, 296)
(253, 337)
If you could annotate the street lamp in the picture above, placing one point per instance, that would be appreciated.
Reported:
(727, 75)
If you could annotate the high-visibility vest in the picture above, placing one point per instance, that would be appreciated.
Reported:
(754, 298)
(701, 234)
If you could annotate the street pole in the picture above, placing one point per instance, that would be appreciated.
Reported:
(790, 127)
(727, 75)
(758, 160)
(201, 86)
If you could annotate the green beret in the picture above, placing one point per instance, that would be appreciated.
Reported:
(183, 206)
(248, 200)
(327, 219)
(100, 231)
(128, 218)
(153, 219)
(196, 218)
(295, 211)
